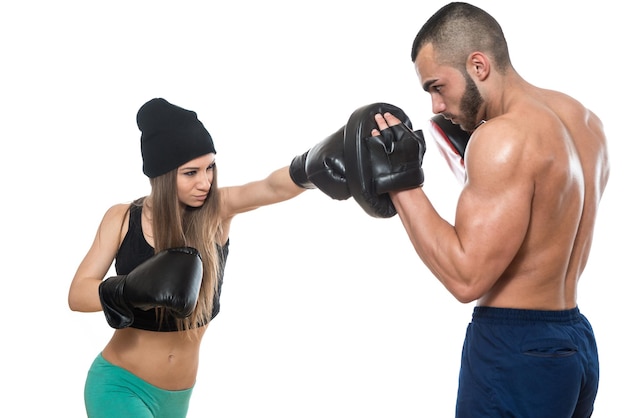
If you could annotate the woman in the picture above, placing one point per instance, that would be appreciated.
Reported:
(161, 305)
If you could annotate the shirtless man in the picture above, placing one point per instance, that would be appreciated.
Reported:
(536, 166)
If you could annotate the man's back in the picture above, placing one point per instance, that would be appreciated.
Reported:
(560, 157)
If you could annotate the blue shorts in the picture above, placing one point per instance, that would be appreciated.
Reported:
(526, 363)
(113, 392)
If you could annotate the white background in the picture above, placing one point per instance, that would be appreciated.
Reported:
(325, 311)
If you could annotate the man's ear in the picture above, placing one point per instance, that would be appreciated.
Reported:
(478, 65)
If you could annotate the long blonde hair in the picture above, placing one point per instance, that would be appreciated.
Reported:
(175, 226)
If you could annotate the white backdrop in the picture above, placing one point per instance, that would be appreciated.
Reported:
(325, 311)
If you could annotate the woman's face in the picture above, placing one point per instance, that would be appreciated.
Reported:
(194, 179)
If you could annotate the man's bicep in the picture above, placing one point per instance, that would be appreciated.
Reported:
(493, 214)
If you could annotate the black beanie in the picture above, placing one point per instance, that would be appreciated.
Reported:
(170, 136)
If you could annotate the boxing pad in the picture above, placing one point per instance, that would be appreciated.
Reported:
(378, 165)
(451, 141)
(170, 279)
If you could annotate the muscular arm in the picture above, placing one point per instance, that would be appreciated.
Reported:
(83, 295)
(493, 214)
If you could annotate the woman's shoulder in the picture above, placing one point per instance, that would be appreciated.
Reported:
(118, 212)
(124, 207)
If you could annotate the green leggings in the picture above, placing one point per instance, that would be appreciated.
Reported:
(113, 392)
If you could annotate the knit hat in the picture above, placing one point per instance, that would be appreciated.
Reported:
(170, 136)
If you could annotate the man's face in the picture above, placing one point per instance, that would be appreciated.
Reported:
(453, 93)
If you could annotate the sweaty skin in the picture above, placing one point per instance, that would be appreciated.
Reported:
(535, 173)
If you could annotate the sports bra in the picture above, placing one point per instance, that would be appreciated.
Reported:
(133, 251)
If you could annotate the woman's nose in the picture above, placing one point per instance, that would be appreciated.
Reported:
(204, 181)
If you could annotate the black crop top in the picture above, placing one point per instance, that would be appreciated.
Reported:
(133, 251)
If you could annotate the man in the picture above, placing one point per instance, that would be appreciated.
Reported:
(536, 166)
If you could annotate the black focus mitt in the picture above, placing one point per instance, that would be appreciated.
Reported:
(388, 162)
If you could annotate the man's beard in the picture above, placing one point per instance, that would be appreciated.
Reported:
(470, 105)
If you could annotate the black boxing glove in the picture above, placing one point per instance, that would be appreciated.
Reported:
(322, 167)
(451, 141)
(377, 165)
(170, 279)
